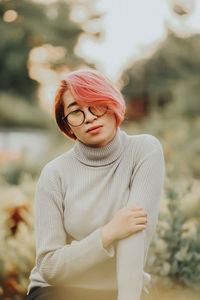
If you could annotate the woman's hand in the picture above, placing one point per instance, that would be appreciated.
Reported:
(126, 221)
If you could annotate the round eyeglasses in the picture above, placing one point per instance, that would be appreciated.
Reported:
(77, 117)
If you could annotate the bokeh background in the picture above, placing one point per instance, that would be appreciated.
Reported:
(150, 50)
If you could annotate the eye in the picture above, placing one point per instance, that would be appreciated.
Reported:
(75, 111)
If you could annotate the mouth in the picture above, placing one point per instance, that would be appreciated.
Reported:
(94, 128)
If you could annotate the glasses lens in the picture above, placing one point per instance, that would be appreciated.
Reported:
(98, 110)
(75, 118)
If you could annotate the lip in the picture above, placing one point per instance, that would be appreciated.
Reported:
(94, 127)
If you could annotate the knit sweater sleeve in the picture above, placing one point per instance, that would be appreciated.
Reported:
(146, 188)
(57, 261)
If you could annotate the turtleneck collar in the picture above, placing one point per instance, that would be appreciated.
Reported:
(101, 156)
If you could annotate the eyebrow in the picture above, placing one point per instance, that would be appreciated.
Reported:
(72, 104)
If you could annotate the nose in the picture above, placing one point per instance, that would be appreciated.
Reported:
(89, 116)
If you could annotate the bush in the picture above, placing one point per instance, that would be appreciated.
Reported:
(15, 112)
(16, 238)
(174, 254)
(12, 171)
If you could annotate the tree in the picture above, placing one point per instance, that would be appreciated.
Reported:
(25, 25)
(168, 79)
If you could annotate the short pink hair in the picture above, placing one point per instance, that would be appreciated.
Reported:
(88, 87)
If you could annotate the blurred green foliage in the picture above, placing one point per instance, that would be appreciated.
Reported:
(11, 171)
(169, 80)
(17, 239)
(35, 25)
(174, 255)
(15, 111)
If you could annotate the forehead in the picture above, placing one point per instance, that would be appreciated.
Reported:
(69, 101)
(68, 98)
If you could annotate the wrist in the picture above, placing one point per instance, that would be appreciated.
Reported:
(107, 236)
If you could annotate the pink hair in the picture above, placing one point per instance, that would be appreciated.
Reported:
(88, 87)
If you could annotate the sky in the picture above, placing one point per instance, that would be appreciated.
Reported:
(133, 29)
(130, 27)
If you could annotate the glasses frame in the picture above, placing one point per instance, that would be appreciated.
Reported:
(89, 108)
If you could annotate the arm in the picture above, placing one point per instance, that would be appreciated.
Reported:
(56, 260)
(146, 188)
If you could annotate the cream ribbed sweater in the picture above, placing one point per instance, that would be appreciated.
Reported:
(77, 194)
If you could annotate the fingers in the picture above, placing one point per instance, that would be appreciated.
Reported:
(137, 208)
(138, 214)
(140, 220)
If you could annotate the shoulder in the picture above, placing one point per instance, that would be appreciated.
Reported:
(150, 141)
(142, 145)
(55, 168)
(145, 140)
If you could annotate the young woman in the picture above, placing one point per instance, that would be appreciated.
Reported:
(96, 205)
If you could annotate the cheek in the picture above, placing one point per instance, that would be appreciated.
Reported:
(111, 118)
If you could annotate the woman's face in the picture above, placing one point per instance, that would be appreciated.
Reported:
(98, 138)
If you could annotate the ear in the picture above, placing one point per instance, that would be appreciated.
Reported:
(71, 131)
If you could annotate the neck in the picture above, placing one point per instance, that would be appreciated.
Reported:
(100, 156)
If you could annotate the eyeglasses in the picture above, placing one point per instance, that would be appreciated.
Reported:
(77, 117)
